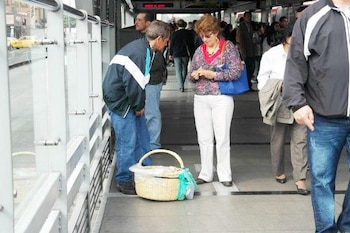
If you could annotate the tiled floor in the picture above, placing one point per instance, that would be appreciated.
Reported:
(256, 203)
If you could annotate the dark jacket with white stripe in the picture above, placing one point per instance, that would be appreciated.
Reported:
(317, 69)
(124, 83)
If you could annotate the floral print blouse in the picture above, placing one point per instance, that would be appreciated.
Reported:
(201, 59)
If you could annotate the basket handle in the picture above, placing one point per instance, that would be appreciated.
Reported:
(177, 157)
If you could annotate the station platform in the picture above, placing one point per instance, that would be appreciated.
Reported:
(255, 203)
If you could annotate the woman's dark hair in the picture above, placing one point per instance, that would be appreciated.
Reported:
(271, 34)
(287, 32)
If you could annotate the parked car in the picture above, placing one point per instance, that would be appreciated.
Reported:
(9, 40)
(24, 42)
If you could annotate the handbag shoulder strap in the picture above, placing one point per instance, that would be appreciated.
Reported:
(222, 52)
(222, 56)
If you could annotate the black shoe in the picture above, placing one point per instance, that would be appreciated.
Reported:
(200, 181)
(126, 188)
(302, 191)
(281, 181)
(227, 183)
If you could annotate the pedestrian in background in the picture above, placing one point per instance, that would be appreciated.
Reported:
(181, 50)
(158, 76)
(270, 84)
(246, 45)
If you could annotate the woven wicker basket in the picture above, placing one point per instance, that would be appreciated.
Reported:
(162, 187)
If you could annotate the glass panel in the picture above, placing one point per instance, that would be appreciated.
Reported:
(27, 60)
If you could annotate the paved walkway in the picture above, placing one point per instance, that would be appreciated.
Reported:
(256, 203)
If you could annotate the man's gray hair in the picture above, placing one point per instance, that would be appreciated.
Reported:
(158, 28)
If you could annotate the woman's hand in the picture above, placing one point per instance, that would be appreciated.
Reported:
(195, 74)
(208, 74)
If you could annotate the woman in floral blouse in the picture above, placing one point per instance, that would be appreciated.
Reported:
(215, 60)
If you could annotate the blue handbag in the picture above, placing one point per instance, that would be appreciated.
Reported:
(233, 87)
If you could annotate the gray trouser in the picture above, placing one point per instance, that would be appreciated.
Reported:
(298, 149)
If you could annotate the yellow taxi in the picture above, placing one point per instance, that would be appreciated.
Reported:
(24, 42)
(9, 40)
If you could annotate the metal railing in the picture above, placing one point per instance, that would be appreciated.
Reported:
(68, 189)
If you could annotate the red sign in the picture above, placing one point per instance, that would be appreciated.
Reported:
(157, 5)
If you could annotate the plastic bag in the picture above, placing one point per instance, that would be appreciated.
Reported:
(187, 185)
(156, 171)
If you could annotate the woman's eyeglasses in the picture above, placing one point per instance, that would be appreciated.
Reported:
(206, 36)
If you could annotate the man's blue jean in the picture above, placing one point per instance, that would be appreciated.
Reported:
(181, 64)
(132, 142)
(325, 144)
(153, 115)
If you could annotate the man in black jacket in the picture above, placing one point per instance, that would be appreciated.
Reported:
(316, 87)
(181, 50)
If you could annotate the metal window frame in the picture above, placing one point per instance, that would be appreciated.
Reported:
(70, 169)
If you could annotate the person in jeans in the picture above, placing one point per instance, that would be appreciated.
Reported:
(316, 87)
(153, 88)
(181, 50)
(124, 94)
(215, 60)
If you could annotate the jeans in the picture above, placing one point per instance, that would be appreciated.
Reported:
(181, 64)
(132, 142)
(325, 145)
(153, 115)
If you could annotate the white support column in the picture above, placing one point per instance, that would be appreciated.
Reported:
(50, 111)
(6, 177)
(80, 123)
(96, 61)
(96, 94)
(79, 95)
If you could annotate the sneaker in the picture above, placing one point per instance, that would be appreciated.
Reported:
(126, 188)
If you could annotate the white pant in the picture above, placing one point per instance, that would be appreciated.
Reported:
(213, 115)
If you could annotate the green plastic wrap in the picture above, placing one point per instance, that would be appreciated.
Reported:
(187, 185)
